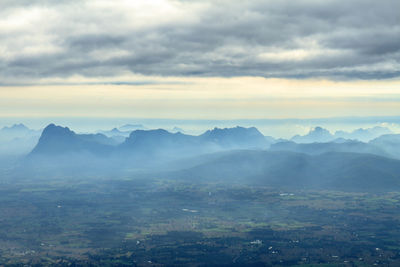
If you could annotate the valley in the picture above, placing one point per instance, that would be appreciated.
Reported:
(136, 222)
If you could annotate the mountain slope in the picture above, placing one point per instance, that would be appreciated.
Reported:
(143, 148)
(163, 144)
(57, 140)
(289, 170)
(160, 144)
(17, 139)
(363, 135)
(321, 135)
(236, 138)
(388, 142)
(316, 134)
(320, 148)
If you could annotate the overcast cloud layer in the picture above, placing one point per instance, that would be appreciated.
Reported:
(289, 39)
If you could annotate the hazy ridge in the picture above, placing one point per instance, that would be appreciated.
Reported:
(229, 155)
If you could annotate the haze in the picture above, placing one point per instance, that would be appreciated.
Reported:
(199, 133)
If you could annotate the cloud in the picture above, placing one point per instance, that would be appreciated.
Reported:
(284, 39)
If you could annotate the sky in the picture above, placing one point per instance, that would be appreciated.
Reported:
(199, 59)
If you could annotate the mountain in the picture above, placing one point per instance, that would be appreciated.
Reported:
(317, 134)
(162, 142)
(338, 145)
(177, 129)
(364, 135)
(390, 143)
(57, 140)
(145, 147)
(115, 132)
(289, 170)
(132, 127)
(16, 131)
(156, 144)
(99, 138)
(321, 135)
(237, 138)
(17, 139)
(18, 146)
(211, 157)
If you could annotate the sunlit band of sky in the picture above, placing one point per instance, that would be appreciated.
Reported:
(199, 59)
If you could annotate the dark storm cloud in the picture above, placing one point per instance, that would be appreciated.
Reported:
(293, 39)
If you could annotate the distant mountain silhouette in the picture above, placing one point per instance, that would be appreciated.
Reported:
(238, 137)
(177, 129)
(144, 144)
(160, 143)
(321, 135)
(363, 135)
(115, 132)
(16, 131)
(317, 134)
(163, 144)
(231, 155)
(16, 128)
(131, 127)
(17, 139)
(57, 140)
(338, 145)
(289, 170)
(390, 143)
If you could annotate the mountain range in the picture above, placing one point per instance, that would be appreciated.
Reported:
(160, 144)
(321, 135)
(143, 146)
(229, 155)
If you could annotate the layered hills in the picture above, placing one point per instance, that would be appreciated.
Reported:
(230, 155)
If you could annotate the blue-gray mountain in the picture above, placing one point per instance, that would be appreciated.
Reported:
(146, 144)
(142, 145)
(320, 148)
(231, 155)
(56, 140)
(321, 135)
(390, 143)
(17, 140)
(290, 170)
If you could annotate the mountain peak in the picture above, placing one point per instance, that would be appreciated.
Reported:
(319, 129)
(53, 130)
(54, 139)
(58, 140)
(177, 130)
(16, 127)
(145, 134)
(236, 137)
(316, 134)
(19, 126)
(364, 134)
(234, 130)
(131, 127)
